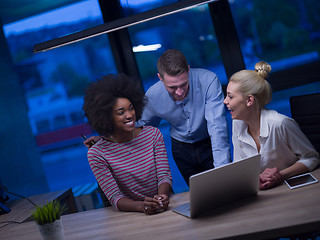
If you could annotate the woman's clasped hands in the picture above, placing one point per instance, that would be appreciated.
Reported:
(157, 204)
(270, 177)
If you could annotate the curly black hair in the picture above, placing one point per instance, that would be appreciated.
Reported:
(100, 96)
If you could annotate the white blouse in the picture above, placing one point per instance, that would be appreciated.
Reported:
(282, 143)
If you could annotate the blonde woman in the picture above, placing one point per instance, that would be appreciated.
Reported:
(285, 150)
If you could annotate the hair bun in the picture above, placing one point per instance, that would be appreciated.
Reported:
(263, 69)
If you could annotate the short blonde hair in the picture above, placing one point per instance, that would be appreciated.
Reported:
(255, 83)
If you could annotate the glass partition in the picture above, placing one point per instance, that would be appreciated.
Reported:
(131, 7)
(283, 33)
(191, 32)
(286, 34)
(54, 83)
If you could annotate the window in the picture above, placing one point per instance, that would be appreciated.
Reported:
(184, 31)
(43, 125)
(53, 83)
(285, 34)
(131, 7)
(187, 32)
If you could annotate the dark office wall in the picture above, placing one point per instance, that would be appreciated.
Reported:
(21, 170)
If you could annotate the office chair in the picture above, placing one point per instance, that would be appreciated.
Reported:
(305, 110)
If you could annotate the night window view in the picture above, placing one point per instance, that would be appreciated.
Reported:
(51, 84)
(53, 81)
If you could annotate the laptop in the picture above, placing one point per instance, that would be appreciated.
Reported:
(221, 186)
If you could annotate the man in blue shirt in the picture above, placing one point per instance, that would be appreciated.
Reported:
(191, 100)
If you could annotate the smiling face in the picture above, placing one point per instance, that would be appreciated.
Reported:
(123, 115)
(235, 101)
(177, 86)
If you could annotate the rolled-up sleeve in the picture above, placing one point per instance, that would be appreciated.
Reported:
(300, 144)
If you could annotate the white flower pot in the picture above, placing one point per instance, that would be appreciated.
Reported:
(52, 231)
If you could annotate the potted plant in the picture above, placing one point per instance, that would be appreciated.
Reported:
(48, 219)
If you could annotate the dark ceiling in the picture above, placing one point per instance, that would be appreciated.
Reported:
(14, 10)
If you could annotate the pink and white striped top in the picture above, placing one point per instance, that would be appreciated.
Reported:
(133, 169)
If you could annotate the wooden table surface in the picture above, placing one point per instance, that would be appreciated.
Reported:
(277, 212)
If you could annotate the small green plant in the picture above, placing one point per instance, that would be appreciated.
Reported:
(48, 213)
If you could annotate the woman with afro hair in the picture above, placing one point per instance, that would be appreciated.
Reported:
(130, 163)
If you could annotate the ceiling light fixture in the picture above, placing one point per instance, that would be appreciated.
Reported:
(146, 48)
(119, 24)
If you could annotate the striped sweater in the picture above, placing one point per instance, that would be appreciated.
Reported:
(133, 169)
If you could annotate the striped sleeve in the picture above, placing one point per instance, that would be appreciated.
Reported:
(103, 174)
(132, 170)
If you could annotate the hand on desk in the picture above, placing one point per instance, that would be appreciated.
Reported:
(157, 204)
(269, 178)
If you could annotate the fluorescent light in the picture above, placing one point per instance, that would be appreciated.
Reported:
(119, 24)
(146, 48)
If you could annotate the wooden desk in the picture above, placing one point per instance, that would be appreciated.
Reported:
(273, 213)
(21, 209)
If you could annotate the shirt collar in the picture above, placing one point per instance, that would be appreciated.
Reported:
(264, 127)
(242, 129)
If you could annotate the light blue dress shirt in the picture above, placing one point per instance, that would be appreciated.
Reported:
(200, 115)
